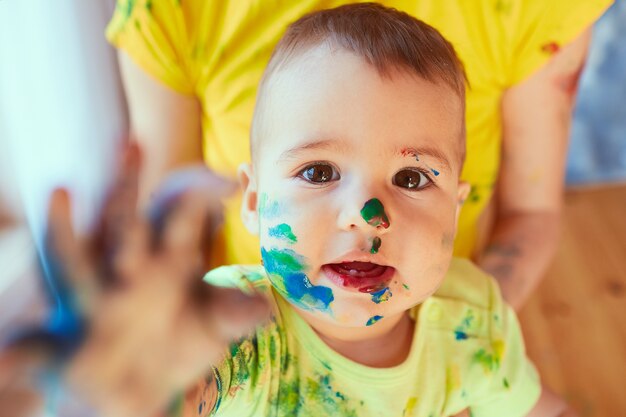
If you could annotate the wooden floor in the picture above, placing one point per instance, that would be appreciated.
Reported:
(575, 323)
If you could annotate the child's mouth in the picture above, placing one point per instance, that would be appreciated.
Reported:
(359, 276)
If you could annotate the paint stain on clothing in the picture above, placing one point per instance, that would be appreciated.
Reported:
(453, 378)
(294, 393)
(283, 232)
(490, 361)
(373, 320)
(460, 335)
(460, 332)
(285, 269)
(550, 48)
(409, 407)
(376, 242)
(382, 295)
(373, 212)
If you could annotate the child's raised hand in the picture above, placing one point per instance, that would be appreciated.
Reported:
(152, 326)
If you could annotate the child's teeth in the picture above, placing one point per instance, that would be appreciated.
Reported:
(353, 272)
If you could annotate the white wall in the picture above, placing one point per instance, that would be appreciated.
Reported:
(62, 112)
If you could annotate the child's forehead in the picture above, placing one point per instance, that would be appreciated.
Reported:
(329, 94)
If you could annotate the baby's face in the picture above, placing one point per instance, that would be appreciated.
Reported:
(355, 192)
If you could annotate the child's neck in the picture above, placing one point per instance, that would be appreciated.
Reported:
(382, 346)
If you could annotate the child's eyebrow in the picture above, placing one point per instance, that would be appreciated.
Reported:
(340, 146)
(415, 153)
(323, 144)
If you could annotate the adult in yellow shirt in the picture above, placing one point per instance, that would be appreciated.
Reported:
(191, 70)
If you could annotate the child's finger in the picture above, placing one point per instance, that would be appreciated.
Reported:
(68, 274)
(119, 211)
(184, 235)
(232, 313)
(197, 183)
(134, 253)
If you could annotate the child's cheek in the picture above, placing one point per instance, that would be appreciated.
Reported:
(287, 272)
(286, 267)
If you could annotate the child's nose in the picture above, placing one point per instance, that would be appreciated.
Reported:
(366, 214)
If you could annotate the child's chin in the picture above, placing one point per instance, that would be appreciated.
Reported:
(362, 313)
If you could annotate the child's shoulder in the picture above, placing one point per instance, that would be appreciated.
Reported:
(467, 283)
(468, 305)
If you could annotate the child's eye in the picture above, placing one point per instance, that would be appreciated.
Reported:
(319, 173)
(411, 179)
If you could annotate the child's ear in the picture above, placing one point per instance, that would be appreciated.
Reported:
(462, 193)
(249, 212)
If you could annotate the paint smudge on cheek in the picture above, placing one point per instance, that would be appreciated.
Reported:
(285, 269)
(373, 320)
(283, 232)
(406, 287)
(376, 242)
(373, 212)
(269, 209)
(382, 295)
(447, 240)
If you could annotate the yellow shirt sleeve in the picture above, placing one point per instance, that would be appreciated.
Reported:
(158, 37)
(534, 30)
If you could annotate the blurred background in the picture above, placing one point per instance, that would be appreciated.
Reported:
(63, 116)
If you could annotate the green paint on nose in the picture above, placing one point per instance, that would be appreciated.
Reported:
(374, 214)
(376, 245)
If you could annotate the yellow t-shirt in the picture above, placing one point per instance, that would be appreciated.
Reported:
(467, 352)
(217, 51)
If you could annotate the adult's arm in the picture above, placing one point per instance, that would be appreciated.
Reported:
(536, 117)
(165, 123)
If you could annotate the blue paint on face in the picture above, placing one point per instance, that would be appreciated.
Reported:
(285, 269)
(269, 209)
(373, 320)
(434, 171)
(381, 295)
(283, 232)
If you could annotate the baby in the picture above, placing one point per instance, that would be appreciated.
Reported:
(357, 147)
(358, 142)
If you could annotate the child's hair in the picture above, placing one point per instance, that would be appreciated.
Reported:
(384, 37)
